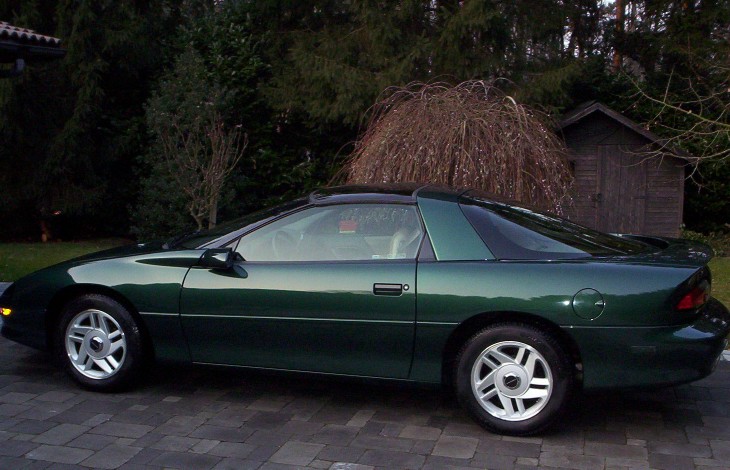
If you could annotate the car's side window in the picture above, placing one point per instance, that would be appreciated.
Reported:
(348, 232)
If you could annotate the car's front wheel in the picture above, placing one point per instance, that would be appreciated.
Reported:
(513, 378)
(99, 343)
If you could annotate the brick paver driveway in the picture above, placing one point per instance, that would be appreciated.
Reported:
(184, 417)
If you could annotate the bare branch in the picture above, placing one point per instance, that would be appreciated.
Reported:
(700, 121)
(199, 157)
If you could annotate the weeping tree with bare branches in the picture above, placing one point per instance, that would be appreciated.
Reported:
(468, 135)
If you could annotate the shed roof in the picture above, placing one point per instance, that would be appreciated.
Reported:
(589, 108)
(21, 43)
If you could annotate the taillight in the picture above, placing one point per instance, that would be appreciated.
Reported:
(695, 298)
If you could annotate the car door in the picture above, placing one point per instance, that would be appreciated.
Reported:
(326, 289)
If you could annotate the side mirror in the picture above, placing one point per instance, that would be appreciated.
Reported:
(219, 258)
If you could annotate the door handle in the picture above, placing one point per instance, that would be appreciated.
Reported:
(388, 289)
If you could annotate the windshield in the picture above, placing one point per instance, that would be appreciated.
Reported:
(514, 232)
(198, 239)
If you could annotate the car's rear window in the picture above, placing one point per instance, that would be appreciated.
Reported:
(513, 232)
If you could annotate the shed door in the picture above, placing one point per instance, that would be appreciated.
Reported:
(622, 190)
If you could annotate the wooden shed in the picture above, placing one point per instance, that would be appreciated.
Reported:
(618, 188)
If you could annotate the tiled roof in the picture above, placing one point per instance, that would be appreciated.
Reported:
(9, 32)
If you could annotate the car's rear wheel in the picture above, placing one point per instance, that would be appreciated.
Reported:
(99, 343)
(513, 378)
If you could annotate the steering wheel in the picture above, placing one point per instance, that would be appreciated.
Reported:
(283, 244)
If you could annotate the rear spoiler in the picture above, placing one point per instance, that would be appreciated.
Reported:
(676, 250)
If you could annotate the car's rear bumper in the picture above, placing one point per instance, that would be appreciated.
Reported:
(652, 356)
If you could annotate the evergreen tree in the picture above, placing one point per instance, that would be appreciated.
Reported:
(71, 129)
(341, 55)
(301, 77)
(192, 149)
(281, 159)
(677, 61)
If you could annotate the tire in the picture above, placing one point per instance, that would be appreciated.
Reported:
(513, 379)
(99, 343)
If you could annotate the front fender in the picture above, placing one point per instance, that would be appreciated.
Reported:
(149, 283)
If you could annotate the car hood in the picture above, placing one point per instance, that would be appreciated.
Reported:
(672, 251)
(121, 252)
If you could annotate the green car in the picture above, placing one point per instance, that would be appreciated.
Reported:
(514, 308)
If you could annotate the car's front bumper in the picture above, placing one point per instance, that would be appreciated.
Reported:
(23, 327)
(20, 333)
(651, 356)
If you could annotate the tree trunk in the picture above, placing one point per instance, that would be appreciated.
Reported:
(213, 214)
(198, 218)
(573, 34)
(45, 232)
(617, 58)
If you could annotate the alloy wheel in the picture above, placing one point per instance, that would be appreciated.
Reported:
(95, 344)
(511, 380)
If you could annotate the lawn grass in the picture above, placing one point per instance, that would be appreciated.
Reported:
(720, 268)
(19, 259)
